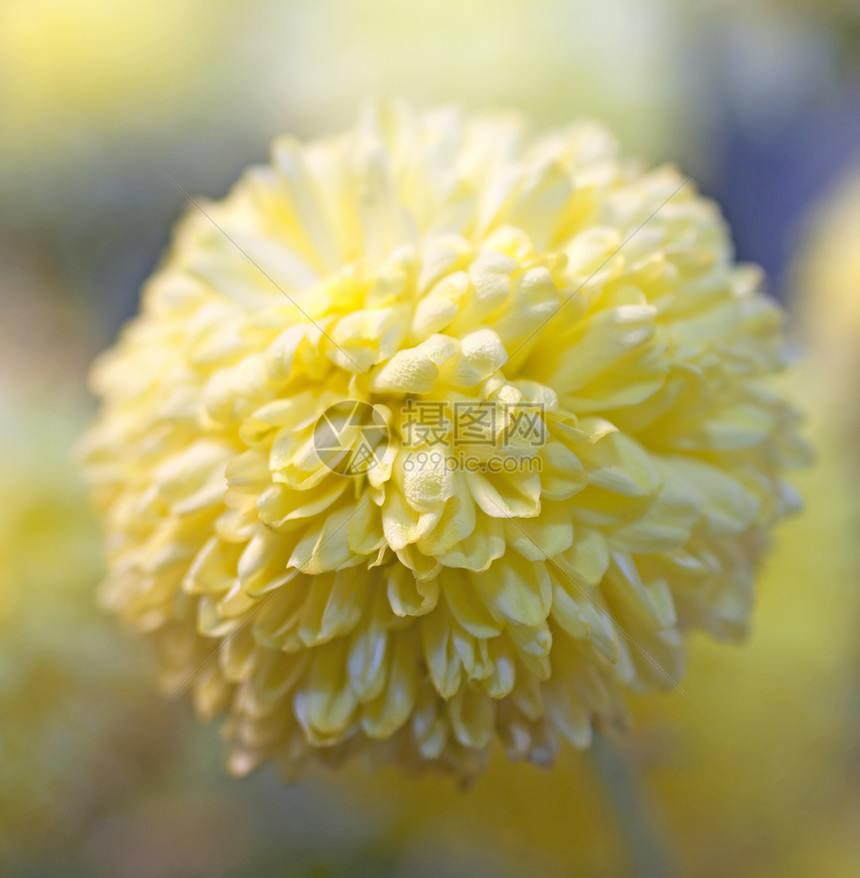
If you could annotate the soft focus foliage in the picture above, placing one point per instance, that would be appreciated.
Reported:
(419, 610)
(772, 729)
(341, 54)
(72, 70)
(827, 290)
(77, 729)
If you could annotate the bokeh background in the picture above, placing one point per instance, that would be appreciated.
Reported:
(758, 774)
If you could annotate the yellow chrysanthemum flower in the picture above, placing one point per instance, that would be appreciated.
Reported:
(437, 431)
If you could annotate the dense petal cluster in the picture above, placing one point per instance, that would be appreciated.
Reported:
(432, 601)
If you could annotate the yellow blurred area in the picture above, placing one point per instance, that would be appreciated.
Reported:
(547, 58)
(75, 73)
(80, 725)
(766, 755)
(80, 63)
(827, 282)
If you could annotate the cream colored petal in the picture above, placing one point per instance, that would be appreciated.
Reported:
(441, 657)
(516, 590)
(467, 606)
(333, 607)
(409, 596)
(503, 495)
(472, 714)
(325, 703)
(383, 716)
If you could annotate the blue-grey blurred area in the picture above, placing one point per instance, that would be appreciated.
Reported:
(782, 92)
(111, 114)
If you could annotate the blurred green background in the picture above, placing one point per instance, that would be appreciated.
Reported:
(99, 100)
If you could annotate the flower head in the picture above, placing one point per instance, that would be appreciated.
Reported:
(437, 431)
